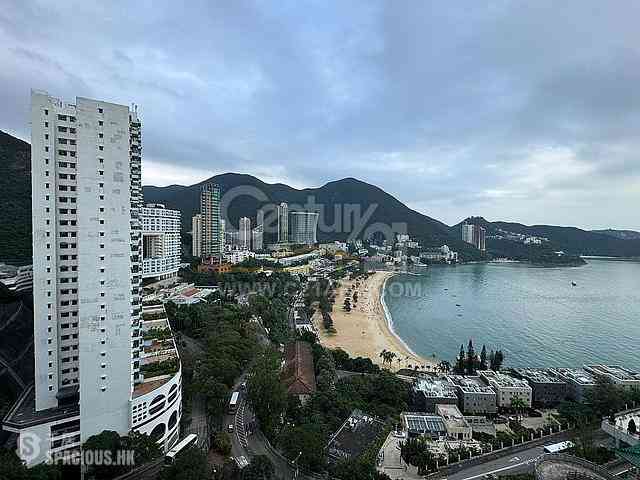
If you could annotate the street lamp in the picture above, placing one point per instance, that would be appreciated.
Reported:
(295, 472)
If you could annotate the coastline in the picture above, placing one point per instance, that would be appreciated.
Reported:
(367, 329)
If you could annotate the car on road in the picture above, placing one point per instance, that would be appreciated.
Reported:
(230, 428)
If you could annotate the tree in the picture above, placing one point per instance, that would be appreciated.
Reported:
(191, 464)
(471, 359)
(483, 358)
(267, 395)
(222, 443)
(518, 405)
(631, 427)
(460, 362)
(145, 447)
(260, 468)
(606, 398)
(106, 441)
(444, 366)
(387, 357)
(496, 359)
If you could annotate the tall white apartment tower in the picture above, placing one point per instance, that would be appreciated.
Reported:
(210, 214)
(196, 235)
(283, 223)
(86, 199)
(245, 233)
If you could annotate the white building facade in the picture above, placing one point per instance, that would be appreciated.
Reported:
(160, 242)
(87, 274)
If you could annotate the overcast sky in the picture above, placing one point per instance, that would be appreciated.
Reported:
(523, 111)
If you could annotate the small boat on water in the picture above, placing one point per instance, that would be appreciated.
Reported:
(458, 305)
(573, 284)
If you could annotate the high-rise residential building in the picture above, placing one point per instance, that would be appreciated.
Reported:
(223, 233)
(160, 242)
(210, 211)
(245, 233)
(303, 227)
(283, 223)
(87, 277)
(196, 235)
(257, 235)
(475, 235)
(467, 233)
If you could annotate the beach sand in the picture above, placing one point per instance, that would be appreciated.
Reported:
(364, 332)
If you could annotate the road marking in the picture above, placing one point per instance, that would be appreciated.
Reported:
(508, 467)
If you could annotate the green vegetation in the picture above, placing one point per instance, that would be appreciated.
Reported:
(160, 334)
(15, 198)
(145, 449)
(343, 361)
(12, 468)
(190, 465)
(260, 468)
(165, 367)
(468, 363)
(267, 395)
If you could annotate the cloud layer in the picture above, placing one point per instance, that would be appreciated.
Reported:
(526, 111)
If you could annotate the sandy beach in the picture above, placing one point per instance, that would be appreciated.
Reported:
(364, 332)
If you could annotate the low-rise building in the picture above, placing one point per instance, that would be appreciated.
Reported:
(620, 376)
(354, 436)
(420, 424)
(474, 396)
(298, 374)
(547, 388)
(507, 388)
(579, 382)
(238, 256)
(457, 427)
(430, 391)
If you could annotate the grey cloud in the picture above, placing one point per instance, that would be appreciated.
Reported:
(457, 101)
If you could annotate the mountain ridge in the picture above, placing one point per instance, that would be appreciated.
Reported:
(15, 216)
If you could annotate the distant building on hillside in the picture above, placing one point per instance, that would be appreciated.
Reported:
(210, 213)
(283, 223)
(303, 227)
(196, 235)
(475, 235)
(245, 233)
(257, 236)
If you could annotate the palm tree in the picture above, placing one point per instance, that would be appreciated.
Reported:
(518, 405)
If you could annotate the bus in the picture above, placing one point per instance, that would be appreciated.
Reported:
(558, 447)
(233, 403)
(183, 445)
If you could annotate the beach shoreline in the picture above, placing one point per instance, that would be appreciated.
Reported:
(367, 329)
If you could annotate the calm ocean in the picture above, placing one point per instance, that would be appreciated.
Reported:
(533, 314)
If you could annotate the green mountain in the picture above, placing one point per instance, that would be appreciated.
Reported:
(341, 204)
(571, 240)
(621, 234)
(15, 198)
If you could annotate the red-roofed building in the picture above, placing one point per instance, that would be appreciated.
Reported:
(299, 375)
